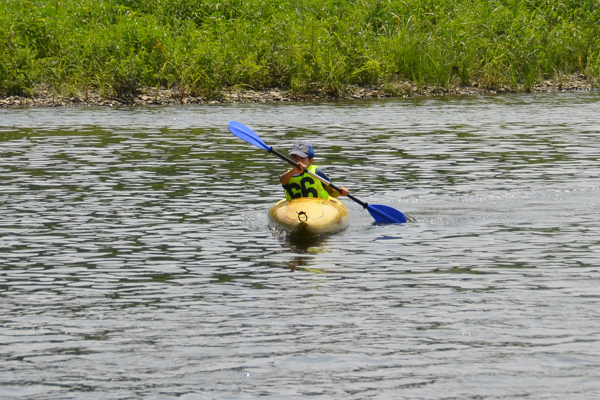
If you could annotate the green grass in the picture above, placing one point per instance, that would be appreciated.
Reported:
(200, 47)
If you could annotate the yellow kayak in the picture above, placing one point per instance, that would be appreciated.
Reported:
(309, 216)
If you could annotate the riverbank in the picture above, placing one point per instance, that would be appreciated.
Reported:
(102, 52)
(151, 96)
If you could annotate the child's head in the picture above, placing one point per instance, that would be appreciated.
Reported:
(303, 150)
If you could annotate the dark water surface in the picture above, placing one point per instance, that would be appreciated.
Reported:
(137, 262)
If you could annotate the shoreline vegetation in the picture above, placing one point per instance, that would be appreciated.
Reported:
(139, 52)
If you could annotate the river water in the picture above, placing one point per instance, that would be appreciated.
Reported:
(137, 260)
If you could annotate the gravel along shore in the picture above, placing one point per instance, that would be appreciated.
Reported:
(575, 82)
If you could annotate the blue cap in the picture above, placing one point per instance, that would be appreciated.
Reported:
(303, 150)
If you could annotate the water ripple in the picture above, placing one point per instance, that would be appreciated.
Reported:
(137, 260)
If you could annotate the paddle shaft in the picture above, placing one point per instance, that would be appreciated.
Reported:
(325, 181)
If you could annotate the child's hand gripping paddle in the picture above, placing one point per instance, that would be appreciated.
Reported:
(382, 214)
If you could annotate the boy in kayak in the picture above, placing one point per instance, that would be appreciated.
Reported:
(297, 183)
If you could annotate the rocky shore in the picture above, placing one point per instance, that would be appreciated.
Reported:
(43, 98)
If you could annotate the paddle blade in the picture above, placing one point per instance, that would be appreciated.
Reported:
(385, 214)
(247, 134)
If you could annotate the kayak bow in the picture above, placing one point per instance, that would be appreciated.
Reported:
(309, 216)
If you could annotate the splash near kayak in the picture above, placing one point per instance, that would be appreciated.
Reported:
(308, 216)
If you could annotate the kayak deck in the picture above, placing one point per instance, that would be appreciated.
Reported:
(308, 216)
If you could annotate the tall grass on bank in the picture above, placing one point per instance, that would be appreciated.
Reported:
(202, 46)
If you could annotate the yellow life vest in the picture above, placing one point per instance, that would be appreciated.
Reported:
(305, 186)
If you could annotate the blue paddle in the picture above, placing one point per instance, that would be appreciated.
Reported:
(382, 214)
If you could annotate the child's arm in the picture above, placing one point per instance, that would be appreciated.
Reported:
(284, 179)
(334, 193)
(331, 191)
